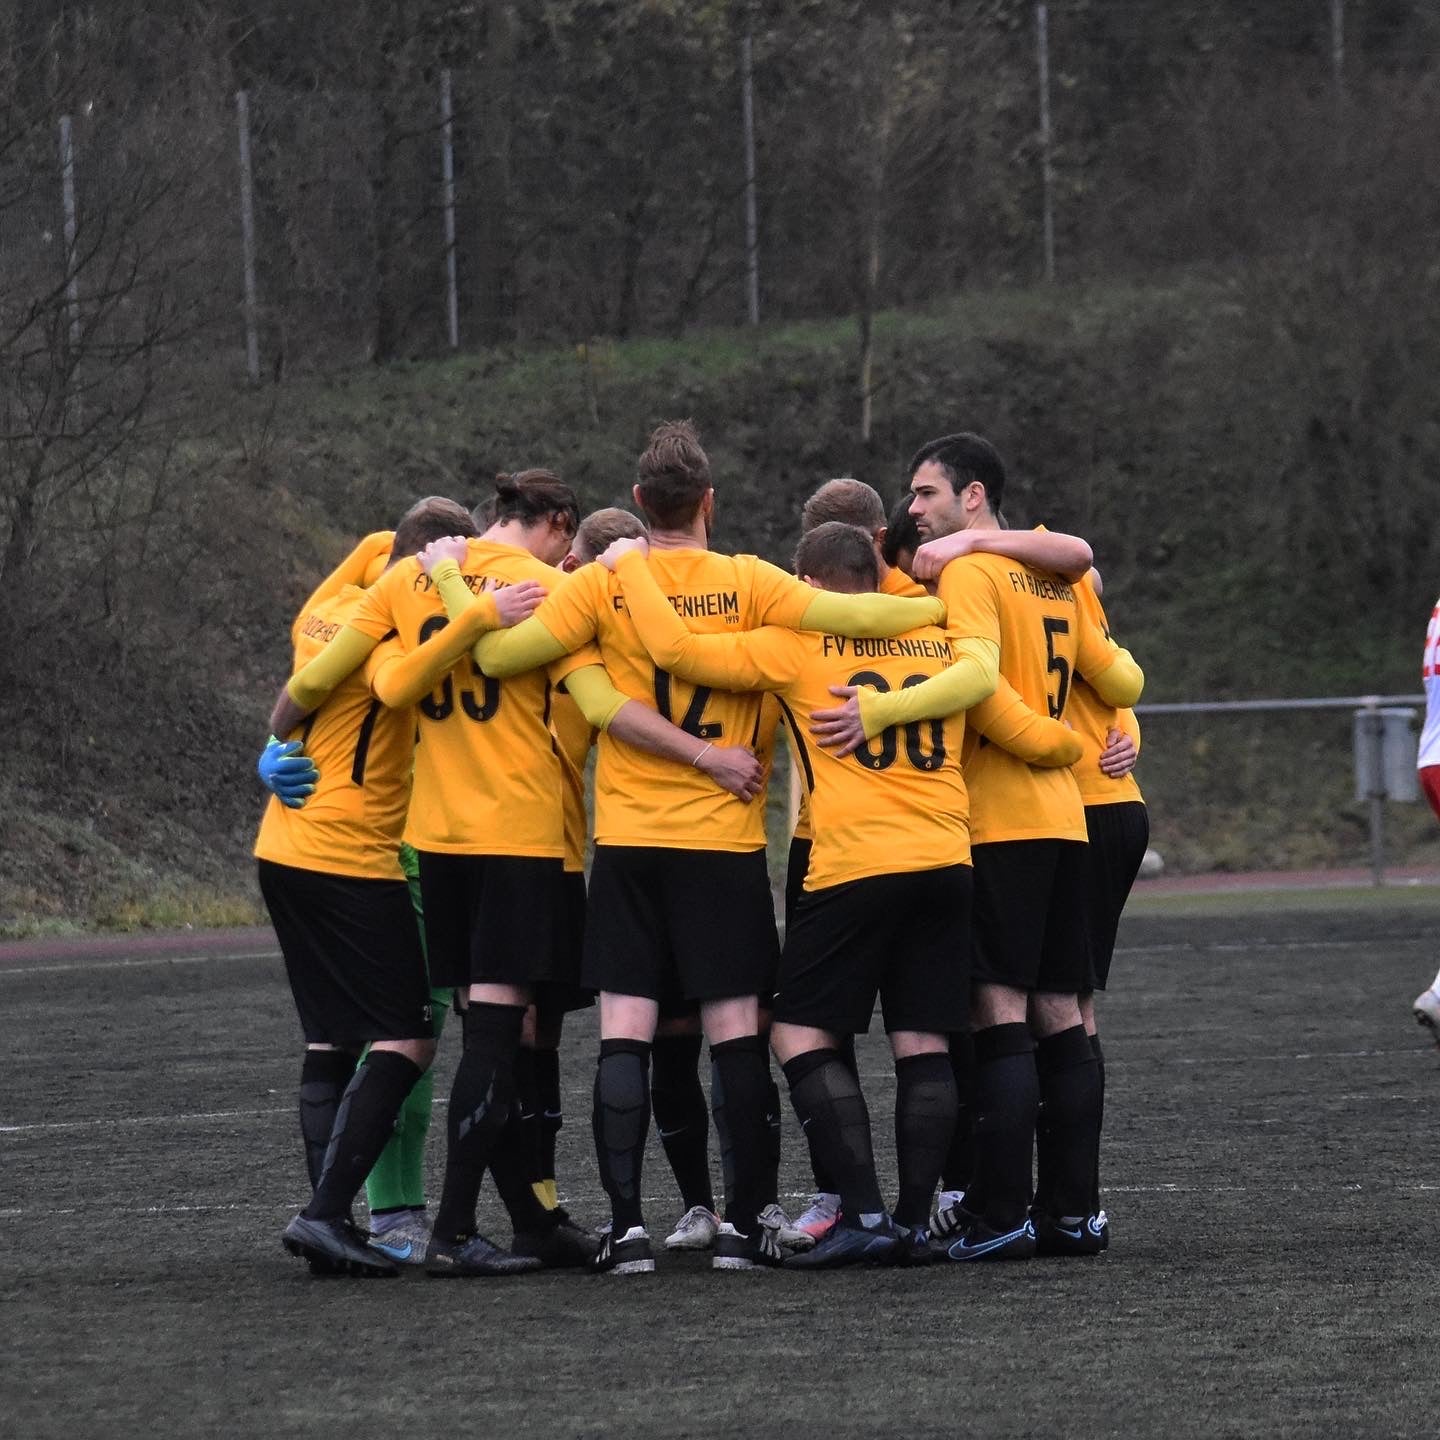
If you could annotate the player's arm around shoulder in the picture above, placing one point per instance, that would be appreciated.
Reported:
(1006, 720)
(746, 660)
(566, 620)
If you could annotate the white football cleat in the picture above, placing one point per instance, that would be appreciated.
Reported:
(819, 1218)
(787, 1233)
(696, 1229)
(1427, 1012)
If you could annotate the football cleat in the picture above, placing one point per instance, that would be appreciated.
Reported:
(915, 1246)
(979, 1242)
(819, 1219)
(562, 1246)
(734, 1251)
(405, 1243)
(694, 1230)
(1071, 1234)
(629, 1255)
(1427, 1012)
(848, 1244)
(785, 1230)
(474, 1256)
(335, 1247)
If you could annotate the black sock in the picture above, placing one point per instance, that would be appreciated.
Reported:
(364, 1123)
(924, 1124)
(825, 1182)
(621, 1120)
(681, 1115)
(831, 1107)
(738, 1080)
(480, 1101)
(527, 1110)
(960, 1157)
(1099, 1118)
(552, 1115)
(1070, 1094)
(324, 1074)
(1007, 1096)
(771, 1180)
(512, 1163)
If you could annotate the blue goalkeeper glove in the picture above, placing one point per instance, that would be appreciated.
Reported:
(287, 771)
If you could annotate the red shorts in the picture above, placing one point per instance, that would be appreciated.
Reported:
(1430, 784)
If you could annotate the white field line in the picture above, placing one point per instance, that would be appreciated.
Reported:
(5, 972)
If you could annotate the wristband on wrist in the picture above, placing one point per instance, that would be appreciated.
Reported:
(709, 745)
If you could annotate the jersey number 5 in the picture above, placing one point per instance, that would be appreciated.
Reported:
(1057, 665)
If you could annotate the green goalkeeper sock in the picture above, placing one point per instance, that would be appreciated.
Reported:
(397, 1180)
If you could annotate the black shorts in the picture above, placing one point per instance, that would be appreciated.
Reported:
(680, 924)
(1119, 835)
(491, 919)
(1031, 928)
(352, 955)
(795, 868)
(905, 937)
(564, 992)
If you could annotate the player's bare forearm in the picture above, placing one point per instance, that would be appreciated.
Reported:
(286, 716)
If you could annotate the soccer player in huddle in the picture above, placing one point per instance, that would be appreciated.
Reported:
(331, 879)
(1032, 954)
(1001, 719)
(891, 838)
(679, 894)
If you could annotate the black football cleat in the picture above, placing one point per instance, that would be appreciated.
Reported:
(629, 1255)
(335, 1247)
(734, 1251)
(474, 1256)
(561, 1247)
(1071, 1234)
(850, 1244)
(979, 1242)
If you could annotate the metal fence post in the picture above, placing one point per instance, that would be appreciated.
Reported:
(1047, 168)
(247, 237)
(447, 200)
(67, 196)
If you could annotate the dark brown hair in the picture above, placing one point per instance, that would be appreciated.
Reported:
(966, 458)
(901, 533)
(429, 519)
(839, 556)
(673, 474)
(531, 496)
(600, 527)
(852, 502)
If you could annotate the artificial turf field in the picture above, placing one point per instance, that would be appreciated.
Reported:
(1272, 1172)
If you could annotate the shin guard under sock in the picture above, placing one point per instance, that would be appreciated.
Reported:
(324, 1074)
(1007, 1096)
(1070, 1099)
(552, 1115)
(621, 1120)
(959, 1166)
(830, 1106)
(739, 1079)
(480, 1101)
(924, 1125)
(681, 1115)
(364, 1121)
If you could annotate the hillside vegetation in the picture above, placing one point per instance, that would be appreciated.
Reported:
(1257, 499)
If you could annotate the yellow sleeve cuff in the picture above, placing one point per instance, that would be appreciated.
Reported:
(870, 617)
(341, 657)
(1121, 683)
(973, 676)
(598, 700)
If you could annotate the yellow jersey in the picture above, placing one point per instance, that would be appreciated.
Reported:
(899, 802)
(488, 777)
(1092, 720)
(1045, 639)
(641, 799)
(363, 750)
